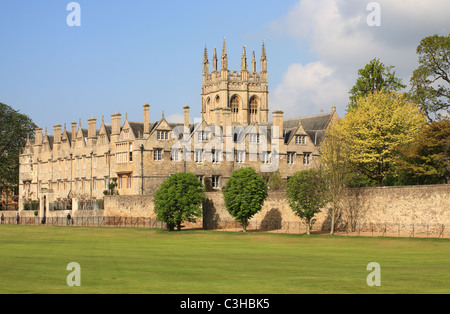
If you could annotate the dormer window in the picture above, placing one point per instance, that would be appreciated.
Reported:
(162, 135)
(254, 138)
(300, 140)
(203, 135)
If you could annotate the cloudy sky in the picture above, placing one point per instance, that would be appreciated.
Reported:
(128, 53)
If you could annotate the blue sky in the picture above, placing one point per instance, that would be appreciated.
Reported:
(128, 53)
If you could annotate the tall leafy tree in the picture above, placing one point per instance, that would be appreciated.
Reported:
(374, 77)
(15, 127)
(426, 160)
(244, 195)
(306, 194)
(430, 83)
(379, 124)
(179, 199)
(335, 158)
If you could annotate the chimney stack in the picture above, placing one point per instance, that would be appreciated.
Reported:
(186, 116)
(92, 128)
(115, 128)
(74, 131)
(146, 119)
(278, 122)
(57, 133)
(38, 136)
(92, 131)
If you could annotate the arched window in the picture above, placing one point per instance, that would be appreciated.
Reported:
(253, 109)
(207, 105)
(217, 104)
(234, 104)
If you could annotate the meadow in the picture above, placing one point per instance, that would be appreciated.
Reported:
(34, 259)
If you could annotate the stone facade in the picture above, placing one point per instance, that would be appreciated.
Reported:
(79, 163)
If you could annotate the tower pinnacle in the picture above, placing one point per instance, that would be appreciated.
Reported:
(224, 56)
(244, 60)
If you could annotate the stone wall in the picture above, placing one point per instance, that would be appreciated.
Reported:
(422, 206)
(388, 207)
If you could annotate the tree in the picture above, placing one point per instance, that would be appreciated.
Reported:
(274, 181)
(179, 199)
(244, 195)
(379, 124)
(112, 188)
(306, 194)
(374, 77)
(335, 158)
(426, 160)
(14, 130)
(430, 83)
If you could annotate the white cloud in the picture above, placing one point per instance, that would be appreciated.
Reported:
(337, 33)
(305, 90)
(175, 118)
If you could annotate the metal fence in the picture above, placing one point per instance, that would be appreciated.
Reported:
(91, 205)
(138, 222)
(359, 229)
(293, 227)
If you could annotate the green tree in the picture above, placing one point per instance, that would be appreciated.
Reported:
(179, 199)
(275, 181)
(306, 194)
(112, 188)
(244, 195)
(14, 130)
(338, 171)
(426, 160)
(374, 77)
(379, 124)
(430, 83)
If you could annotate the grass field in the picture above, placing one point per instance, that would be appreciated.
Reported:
(33, 259)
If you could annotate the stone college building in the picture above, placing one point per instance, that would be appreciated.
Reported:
(234, 132)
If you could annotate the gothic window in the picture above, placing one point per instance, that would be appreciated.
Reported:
(207, 106)
(217, 104)
(253, 109)
(234, 104)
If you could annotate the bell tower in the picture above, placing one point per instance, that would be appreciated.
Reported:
(244, 92)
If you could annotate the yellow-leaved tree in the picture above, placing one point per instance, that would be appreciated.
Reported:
(379, 124)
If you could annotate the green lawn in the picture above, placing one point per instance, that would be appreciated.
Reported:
(33, 259)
